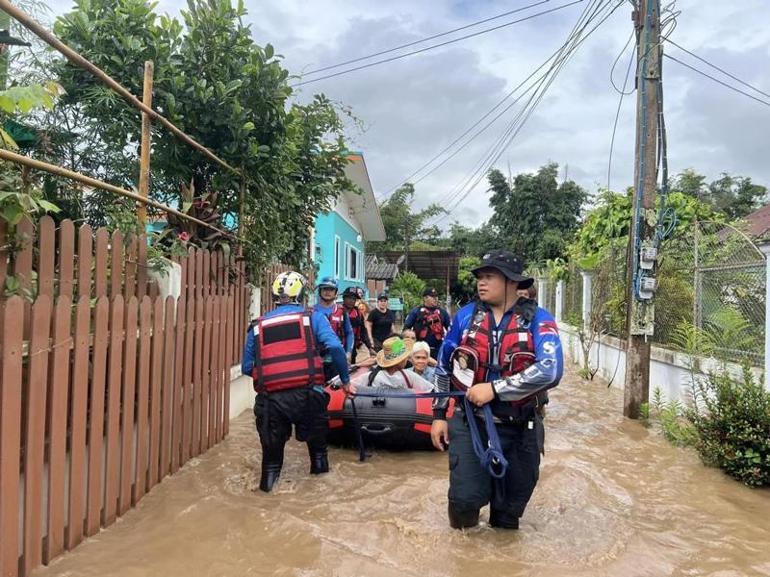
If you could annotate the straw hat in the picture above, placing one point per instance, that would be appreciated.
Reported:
(394, 351)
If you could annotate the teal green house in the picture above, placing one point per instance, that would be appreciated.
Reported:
(338, 237)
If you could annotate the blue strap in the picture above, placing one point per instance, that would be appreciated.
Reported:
(491, 457)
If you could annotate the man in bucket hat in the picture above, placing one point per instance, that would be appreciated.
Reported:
(503, 351)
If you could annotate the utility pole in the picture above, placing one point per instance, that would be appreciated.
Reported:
(642, 241)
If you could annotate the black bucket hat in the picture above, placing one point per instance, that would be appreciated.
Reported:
(507, 263)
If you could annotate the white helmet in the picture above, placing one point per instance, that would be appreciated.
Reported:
(289, 287)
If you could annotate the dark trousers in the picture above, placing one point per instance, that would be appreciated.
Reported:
(304, 408)
(471, 486)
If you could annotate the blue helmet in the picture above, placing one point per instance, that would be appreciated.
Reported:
(328, 282)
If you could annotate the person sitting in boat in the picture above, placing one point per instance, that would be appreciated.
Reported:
(391, 369)
(421, 360)
(410, 338)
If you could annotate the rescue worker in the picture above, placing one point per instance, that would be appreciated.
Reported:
(429, 321)
(338, 319)
(282, 355)
(504, 351)
(350, 297)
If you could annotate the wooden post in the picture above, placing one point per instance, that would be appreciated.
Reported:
(641, 313)
(144, 159)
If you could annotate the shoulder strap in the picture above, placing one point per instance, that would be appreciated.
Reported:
(406, 379)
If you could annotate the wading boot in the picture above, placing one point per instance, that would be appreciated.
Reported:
(319, 463)
(503, 519)
(462, 519)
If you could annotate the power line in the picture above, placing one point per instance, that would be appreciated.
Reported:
(513, 129)
(553, 56)
(623, 94)
(714, 66)
(392, 58)
(725, 84)
(395, 48)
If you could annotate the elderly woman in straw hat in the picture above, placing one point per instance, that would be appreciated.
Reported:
(391, 368)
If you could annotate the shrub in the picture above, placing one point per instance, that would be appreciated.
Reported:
(408, 286)
(733, 425)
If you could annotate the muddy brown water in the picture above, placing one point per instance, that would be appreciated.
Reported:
(614, 498)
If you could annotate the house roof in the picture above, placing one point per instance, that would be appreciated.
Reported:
(428, 264)
(364, 205)
(758, 222)
(380, 269)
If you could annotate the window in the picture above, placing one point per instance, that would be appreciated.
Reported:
(336, 257)
(353, 260)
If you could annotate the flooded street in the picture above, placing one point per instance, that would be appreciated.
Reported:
(614, 498)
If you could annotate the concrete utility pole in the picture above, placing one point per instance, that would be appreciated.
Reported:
(642, 245)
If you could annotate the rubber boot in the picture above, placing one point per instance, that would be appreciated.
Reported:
(462, 518)
(319, 462)
(503, 519)
(270, 474)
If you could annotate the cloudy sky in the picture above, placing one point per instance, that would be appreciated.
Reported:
(412, 108)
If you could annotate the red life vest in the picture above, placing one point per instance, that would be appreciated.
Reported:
(516, 350)
(354, 315)
(429, 321)
(286, 355)
(337, 321)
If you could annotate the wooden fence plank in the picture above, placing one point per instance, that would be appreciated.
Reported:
(128, 403)
(112, 472)
(10, 441)
(197, 375)
(141, 267)
(34, 454)
(214, 364)
(167, 388)
(143, 395)
(59, 382)
(231, 347)
(101, 271)
(224, 368)
(214, 272)
(206, 274)
(132, 251)
(45, 256)
(116, 264)
(178, 394)
(66, 258)
(206, 382)
(187, 400)
(78, 415)
(96, 415)
(85, 246)
(155, 388)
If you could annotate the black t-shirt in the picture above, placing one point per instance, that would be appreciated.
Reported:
(382, 324)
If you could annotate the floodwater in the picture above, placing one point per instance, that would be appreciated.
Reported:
(614, 498)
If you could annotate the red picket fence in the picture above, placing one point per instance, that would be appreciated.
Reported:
(105, 387)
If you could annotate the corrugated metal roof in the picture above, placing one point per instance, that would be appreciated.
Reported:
(380, 269)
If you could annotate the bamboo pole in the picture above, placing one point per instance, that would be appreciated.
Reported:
(33, 26)
(144, 159)
(82, 178)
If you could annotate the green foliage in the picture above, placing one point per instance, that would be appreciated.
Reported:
(733, 425)
(403, 226)
(465, 289)
(230, 94)
(23, 99)
(473, 241)
(408, 286)
(534, 213)
(733, 196)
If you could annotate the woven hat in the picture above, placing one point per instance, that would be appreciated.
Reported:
(394, 351)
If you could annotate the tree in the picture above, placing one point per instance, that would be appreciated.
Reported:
(229, 93)
(403, 226)
(536, 215)
(473, 241)
(409, 287)
(734, 196)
